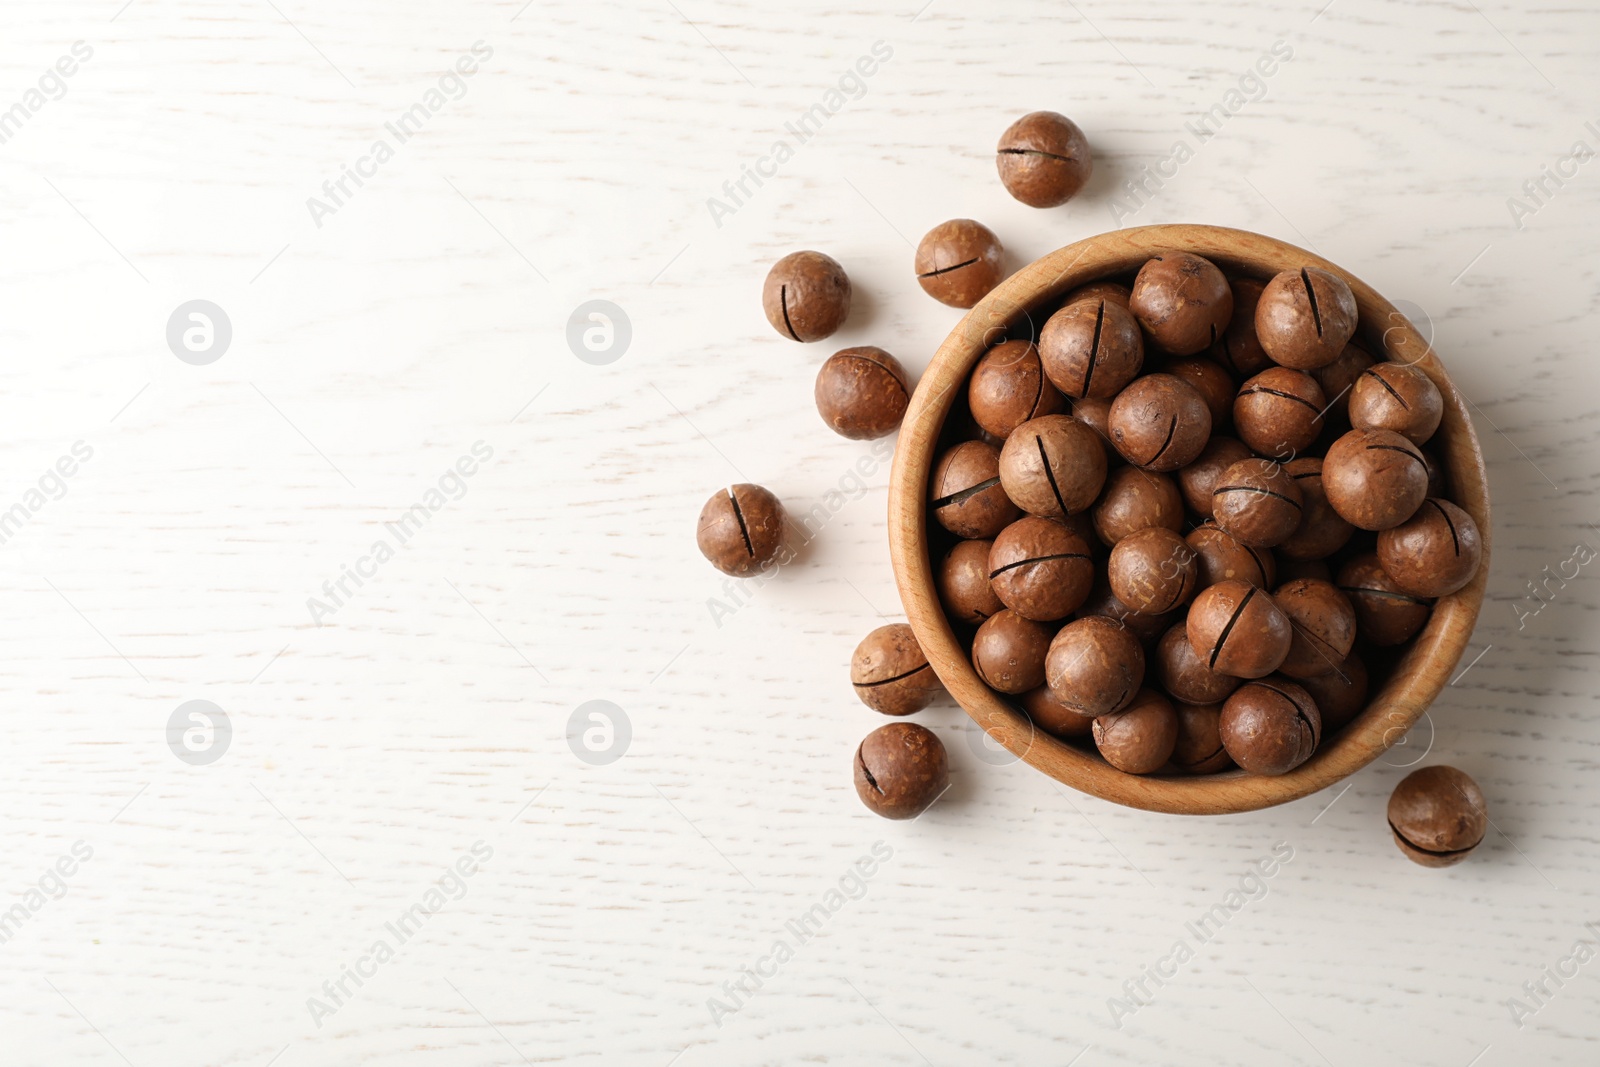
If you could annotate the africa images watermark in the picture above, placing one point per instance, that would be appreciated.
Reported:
(1565, 969)
(1533, 602)
(801, 928)
(1137, 192)
(1251, 889)
(51, 885)
(738, 592)
(451, 486)
(450, 886)
(52, 486)
(52, 85)
(851, 85)
(452, 86)
(1553, 177)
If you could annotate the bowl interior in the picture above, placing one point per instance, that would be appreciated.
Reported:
(1027, 297)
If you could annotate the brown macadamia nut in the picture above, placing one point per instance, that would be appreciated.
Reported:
(1321, 532)
(1153, 571)
(741, 529)
(1043, 159)
(806, 296)
(1438, 816)
(1185, 675)
(958, 262)
(1095, 413)
(1139, 738)
(862, 393)
(963, 581)
(1375, 479)
(1094, 665)
(1091, 348)
(1340, 694)
(1008, 387)
(1235, 628)
(901, 769)
(1220, 558)
(1182, 301)
(1134, 499)
(1279, 412)
(1008, 652)
(1385, 614)
(1394, 396)
(1160, 422)
(1199, 479)
(1434, 553)
(1323, 623)
(1214, 384)
(1040, 569)
(965, 491)
(1199, 749)
(890, 673)
(1271, 726)
(1237, 349)
(1338, 378)
(1103, 603)
(1054, 717)
(1257, 503)
(1115, 292)
(1053, 466)
(1305, 318)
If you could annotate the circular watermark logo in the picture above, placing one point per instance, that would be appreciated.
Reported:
(598, 332)
(598, 732)
(1394, 336)
(988, 747)
(1408, 750)
(199, 732)
(199, 332)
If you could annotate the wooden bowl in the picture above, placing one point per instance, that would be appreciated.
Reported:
(1031, 293)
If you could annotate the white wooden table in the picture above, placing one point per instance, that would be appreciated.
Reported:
(382, 335)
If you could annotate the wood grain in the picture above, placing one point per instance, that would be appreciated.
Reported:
(430, 312)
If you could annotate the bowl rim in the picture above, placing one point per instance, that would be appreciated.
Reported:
(1417, 679)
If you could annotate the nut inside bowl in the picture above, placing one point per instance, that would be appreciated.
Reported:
(1029, 295)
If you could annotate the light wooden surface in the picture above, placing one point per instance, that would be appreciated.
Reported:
(1026, 298)
(429, 713)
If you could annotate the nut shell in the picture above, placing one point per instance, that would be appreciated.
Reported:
(890, 673)
(741, 529)
(1091, 348)
(1053, 467)
(1374, 479)
(1008, 387)
(1438, 816)
(965, 492)
(1182, 301)
(1434, 553)
(1095, 665)
(806, 296)
(1398, 397)
(1270, 726)
(1305, 318)
(963, 581)
(1043, 159)
(1008, 652)
(900, 769)
(1160, 422)
(861, 393)
(1236, 629)
(1139, 738)
(1040, 569)
(958, 262)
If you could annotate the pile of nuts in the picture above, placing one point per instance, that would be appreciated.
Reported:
(1184, 520)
